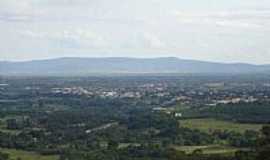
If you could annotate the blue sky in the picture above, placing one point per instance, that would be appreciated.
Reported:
(212, 30)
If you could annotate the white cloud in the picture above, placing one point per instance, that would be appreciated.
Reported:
(15, 6)
(234, 23)
(31, 34)
(153, 41)
(75, 37)
(241, 19)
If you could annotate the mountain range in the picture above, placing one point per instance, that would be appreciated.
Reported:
(90, 66)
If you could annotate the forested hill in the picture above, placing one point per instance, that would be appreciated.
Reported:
(84, 66)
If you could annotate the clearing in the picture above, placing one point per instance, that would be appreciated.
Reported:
(25, 155)
(207, 125)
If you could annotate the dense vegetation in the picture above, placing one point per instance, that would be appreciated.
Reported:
(57, 118)
(245, 113)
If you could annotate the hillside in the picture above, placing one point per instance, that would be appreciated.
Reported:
(84, 66)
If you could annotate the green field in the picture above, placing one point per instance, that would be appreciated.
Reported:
(207, 125)
(212, 149)
(9, 131)
(125, 145)
(24, 155)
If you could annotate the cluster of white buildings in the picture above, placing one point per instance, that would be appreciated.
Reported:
(250, 99)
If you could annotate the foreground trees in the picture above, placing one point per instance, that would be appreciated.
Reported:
(264, 144)
(4, 156)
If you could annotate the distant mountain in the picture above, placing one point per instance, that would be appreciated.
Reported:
(89, 66)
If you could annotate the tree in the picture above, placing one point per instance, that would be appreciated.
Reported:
(4, 156)
(264, 144)
(112, 145)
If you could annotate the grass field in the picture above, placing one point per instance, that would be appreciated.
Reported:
(125, 145)
(24, 155)
(212, 149)
(213, 124)
(9, 131)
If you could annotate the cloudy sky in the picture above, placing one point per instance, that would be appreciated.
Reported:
(213, 30)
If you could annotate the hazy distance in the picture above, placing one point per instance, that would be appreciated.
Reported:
(96, 66)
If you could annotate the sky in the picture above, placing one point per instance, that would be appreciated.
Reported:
(209, 30)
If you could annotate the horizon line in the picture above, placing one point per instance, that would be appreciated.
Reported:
(130, 57)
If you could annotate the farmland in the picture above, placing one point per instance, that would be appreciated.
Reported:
(25, 155)
(208, 125)
(211, 149)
